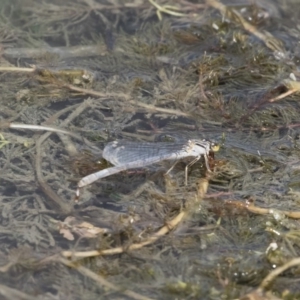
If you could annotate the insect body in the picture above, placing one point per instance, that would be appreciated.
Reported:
(126, 155)
(131, 155)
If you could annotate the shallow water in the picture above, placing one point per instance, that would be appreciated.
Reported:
(111, 70)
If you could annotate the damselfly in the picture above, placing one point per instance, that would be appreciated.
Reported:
(126, 155)
(131, 155)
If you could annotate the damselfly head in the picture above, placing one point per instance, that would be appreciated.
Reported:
(215, 147)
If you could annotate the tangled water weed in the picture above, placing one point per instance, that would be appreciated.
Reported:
(150, 71)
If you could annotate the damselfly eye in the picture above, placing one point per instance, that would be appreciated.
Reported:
(215, 147)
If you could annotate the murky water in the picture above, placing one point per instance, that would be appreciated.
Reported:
(148, 71)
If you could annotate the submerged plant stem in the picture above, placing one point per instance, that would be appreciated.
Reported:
(102, 281)
(65, 208)
(10, 293)
(270, 41)
(202, 189)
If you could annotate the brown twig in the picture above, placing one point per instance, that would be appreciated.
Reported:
(262, 211)
(201, 191)
(259, 293)
(163, 231)
(271, 42)
(126, 97)
(284, 95)
(275, 273)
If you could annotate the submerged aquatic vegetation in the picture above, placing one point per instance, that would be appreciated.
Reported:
(150, 71)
